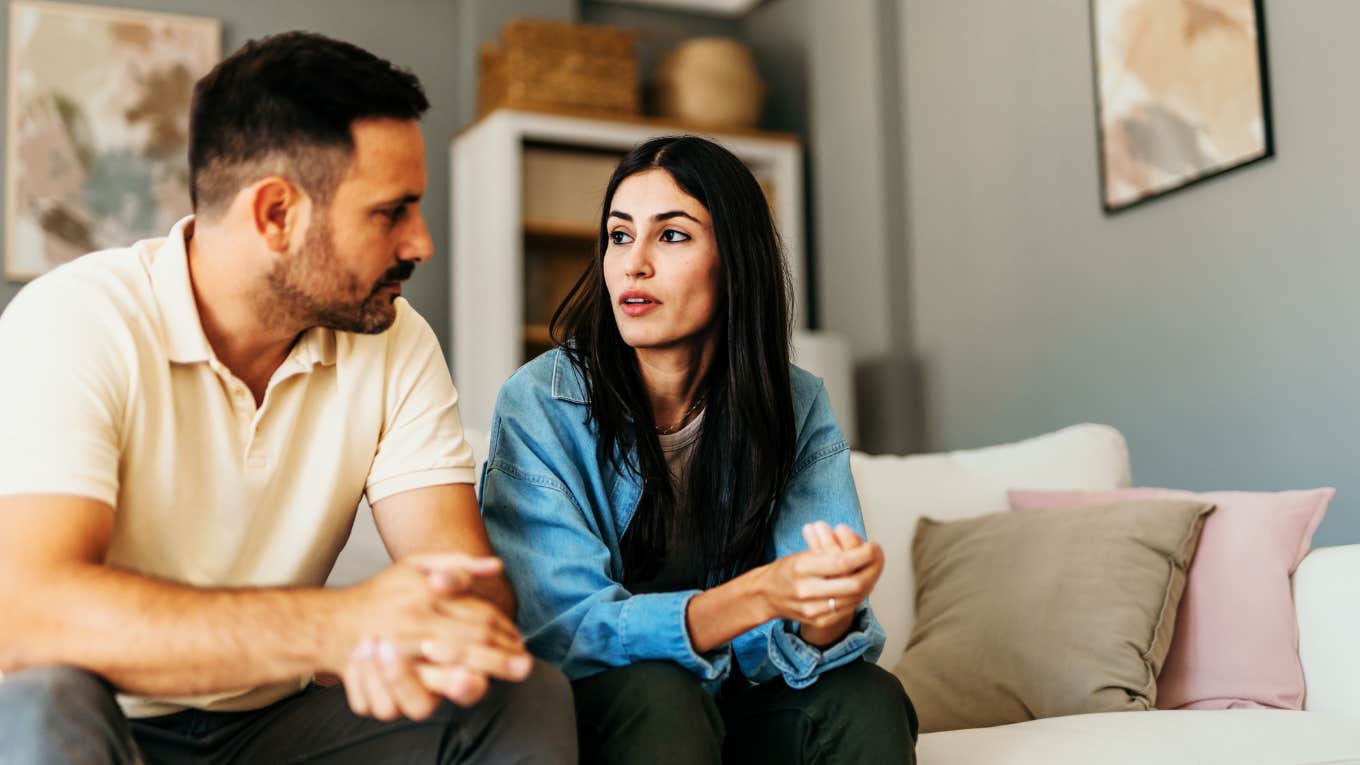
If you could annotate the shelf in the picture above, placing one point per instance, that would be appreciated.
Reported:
(650, 123)
(555, 230)
(537, 334)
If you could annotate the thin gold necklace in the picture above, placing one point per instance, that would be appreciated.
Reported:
(676, 429)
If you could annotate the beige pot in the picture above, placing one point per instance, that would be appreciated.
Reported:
(710, 82)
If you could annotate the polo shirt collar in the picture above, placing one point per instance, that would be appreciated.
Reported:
(181, 326)
(183, 332)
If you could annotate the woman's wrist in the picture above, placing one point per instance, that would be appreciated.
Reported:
(756, 593)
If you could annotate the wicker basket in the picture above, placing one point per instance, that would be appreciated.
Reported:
(558, 66)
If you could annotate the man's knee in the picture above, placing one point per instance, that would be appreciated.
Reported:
(544, 697)
(54, 690)
(531, 721)
(61, 714)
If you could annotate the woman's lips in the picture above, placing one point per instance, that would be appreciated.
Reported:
(637, 303)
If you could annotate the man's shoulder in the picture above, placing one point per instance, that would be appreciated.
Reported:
(100, 292)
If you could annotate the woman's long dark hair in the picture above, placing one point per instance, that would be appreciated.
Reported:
(745, 451)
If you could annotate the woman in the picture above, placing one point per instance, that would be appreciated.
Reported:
(673, 500)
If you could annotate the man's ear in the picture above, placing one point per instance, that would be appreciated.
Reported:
(279, 211)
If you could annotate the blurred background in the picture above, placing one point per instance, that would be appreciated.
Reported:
(937, 168)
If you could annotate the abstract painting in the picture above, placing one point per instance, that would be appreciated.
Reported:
(98, 122)
(1182, 93)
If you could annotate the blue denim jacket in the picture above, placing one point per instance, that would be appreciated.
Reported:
(556, 516)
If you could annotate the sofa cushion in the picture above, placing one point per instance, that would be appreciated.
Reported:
(1237, 639)
(895, 491)
(1047, 613)
(1240, 737)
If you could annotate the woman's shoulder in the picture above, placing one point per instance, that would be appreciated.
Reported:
(544, 382)
(807, 389)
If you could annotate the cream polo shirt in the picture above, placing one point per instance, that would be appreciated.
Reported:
(111, 391)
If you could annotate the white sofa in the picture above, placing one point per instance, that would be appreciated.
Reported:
(895, 491)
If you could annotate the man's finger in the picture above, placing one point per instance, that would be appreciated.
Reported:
(455, 683)
(476, 566)
(483, 621)
(413, 701)
(380, 703)
(493, 662)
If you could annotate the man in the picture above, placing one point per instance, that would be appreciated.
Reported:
(189, 425)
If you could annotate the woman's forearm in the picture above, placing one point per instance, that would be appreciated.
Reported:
(717, 616)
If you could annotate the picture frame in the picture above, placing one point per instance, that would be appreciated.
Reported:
(1182, 92)
(97, 144)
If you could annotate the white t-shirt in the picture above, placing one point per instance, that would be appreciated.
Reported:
(112, 392)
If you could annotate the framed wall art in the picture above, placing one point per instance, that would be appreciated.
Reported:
(98, 118)
(1182, 93)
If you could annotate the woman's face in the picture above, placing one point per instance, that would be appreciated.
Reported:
(661, 263)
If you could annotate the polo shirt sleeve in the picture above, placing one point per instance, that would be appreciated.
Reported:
(422, 441)
(63, 390)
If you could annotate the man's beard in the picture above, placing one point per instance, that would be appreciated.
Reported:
(310, 289)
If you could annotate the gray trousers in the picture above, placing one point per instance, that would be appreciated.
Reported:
(69, 716)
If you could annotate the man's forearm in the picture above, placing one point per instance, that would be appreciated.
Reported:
(152, 637)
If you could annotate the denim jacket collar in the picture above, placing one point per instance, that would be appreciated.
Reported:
(567, 384)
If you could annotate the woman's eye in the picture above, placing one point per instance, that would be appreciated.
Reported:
(620, 237)
(671, 235)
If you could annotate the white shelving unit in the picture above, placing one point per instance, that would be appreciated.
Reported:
(489, 225)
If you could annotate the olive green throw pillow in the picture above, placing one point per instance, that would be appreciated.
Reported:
(1045, 613)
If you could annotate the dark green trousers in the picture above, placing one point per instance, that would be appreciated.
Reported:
(656, 712)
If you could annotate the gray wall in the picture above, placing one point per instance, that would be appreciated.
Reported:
(1216, 328)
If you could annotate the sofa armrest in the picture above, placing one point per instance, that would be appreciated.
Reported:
(1326, 595)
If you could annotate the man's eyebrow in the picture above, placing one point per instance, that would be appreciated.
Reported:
(404, 199)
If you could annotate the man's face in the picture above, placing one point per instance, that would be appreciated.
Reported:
(349, 270)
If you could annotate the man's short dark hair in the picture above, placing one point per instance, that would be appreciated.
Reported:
(285, 105)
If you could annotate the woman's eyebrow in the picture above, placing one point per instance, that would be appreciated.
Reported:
(673, 214)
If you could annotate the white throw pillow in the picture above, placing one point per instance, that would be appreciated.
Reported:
(895, 491)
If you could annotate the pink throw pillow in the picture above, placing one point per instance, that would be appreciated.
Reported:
(1236, 644)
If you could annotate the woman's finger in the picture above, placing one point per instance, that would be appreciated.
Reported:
(828, 537)
(837, 563)
(817, 589)
(810, 536)
(847, 537)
